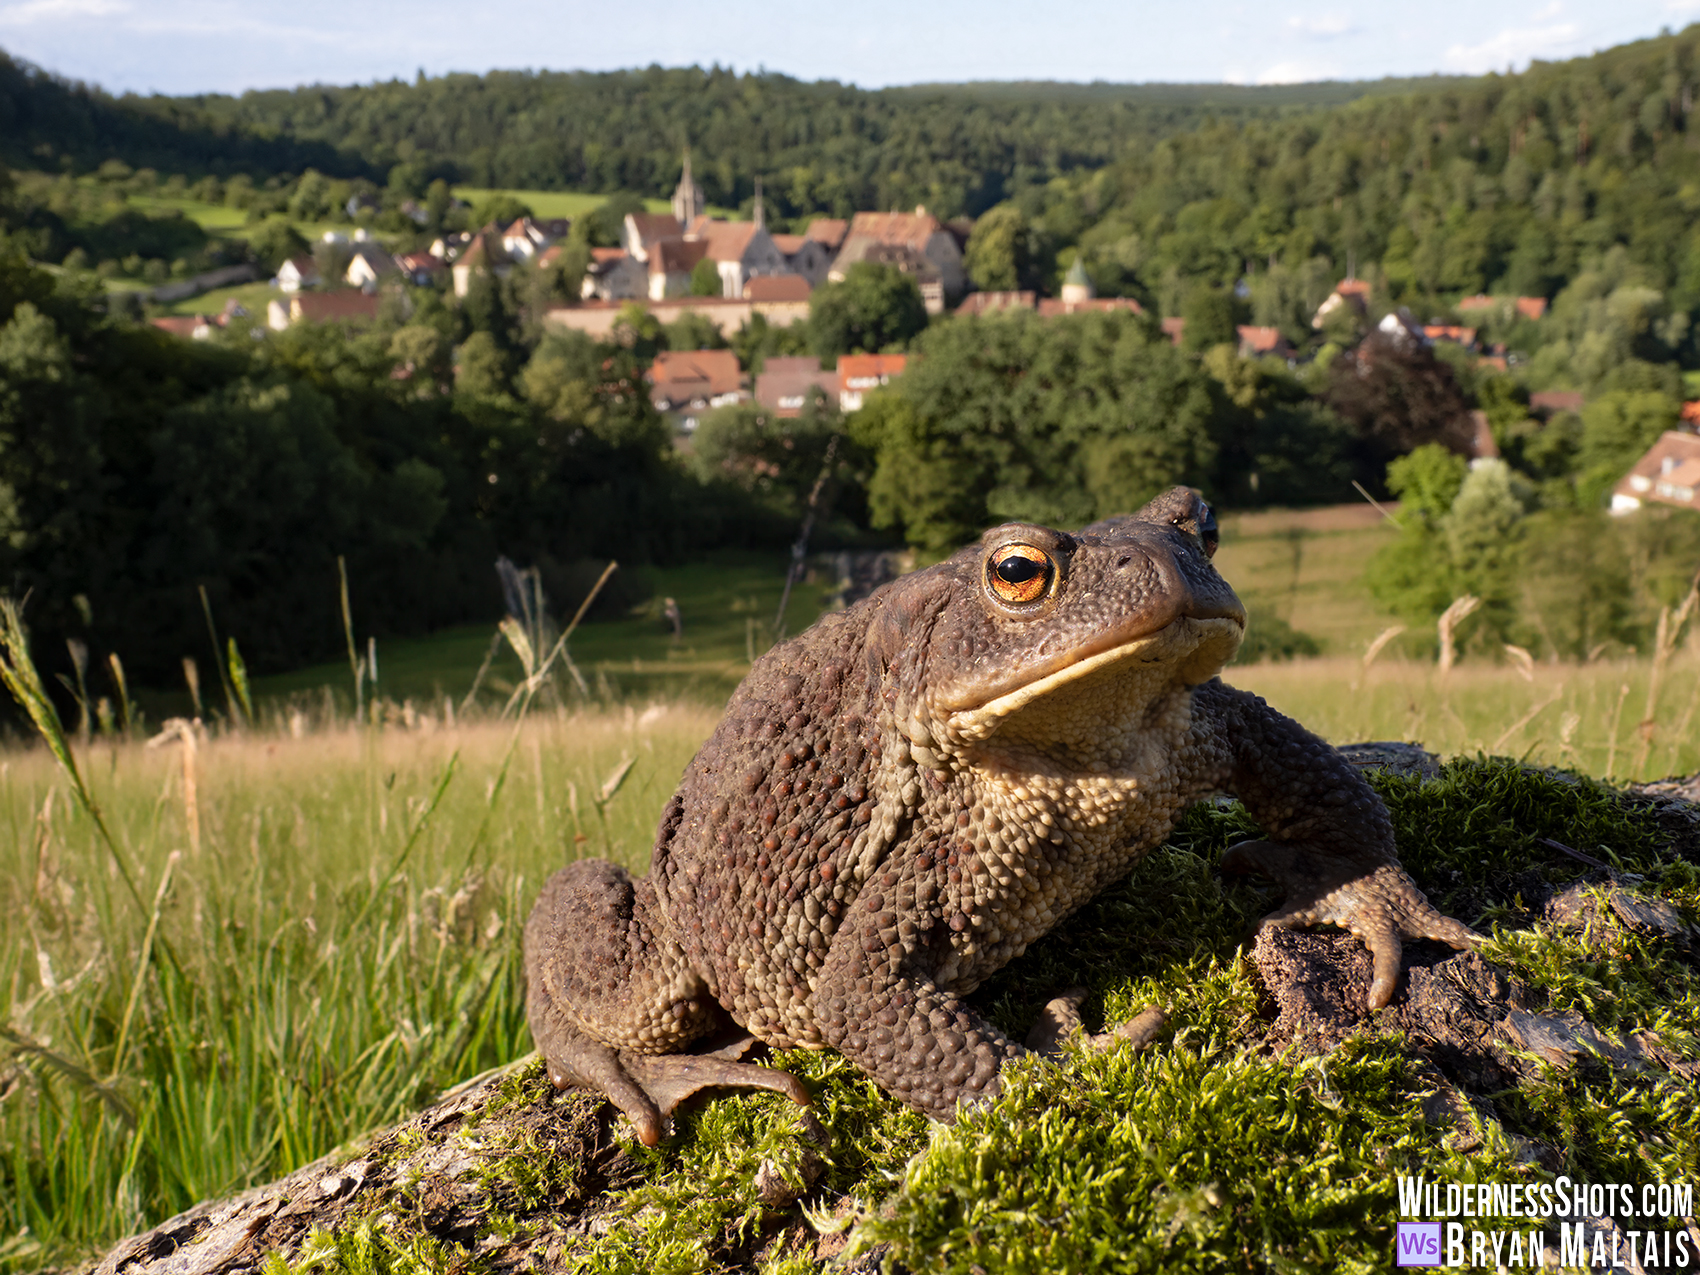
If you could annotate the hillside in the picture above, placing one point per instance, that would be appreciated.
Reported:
(824, 146)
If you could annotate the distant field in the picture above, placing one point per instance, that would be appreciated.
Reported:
(216, 219)
(727, 604)
(1306, 567)
(253, 297)
(554, 203)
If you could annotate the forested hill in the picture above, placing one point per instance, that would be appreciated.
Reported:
(823, 147)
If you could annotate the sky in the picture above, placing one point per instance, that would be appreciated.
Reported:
(189, 46)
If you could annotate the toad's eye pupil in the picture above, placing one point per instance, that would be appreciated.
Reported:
(1018, 570)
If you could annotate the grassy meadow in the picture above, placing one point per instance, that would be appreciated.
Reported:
(276, 939)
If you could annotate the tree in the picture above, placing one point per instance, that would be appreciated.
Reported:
(1056, 421)
(1000, 256)
(481, 368)
(1209, 315)
(876, 307)
(1617, 430)
(1397, 396)
(705, 279)
(273, 242)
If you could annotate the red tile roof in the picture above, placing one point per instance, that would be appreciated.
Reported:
(864, 371)
(912, 230)
(777, 287)
(676, 256)
(652, 227)
(1259, 340)
(991, 302)
(829, 231)
(180, 324)
(1174, 328)
(1352, 288)
(334, 307)
(1051, 307)
(726, 240)
(599, 255)
(1481, 301)
(682, 375)
(790, 245)
(1531, 307)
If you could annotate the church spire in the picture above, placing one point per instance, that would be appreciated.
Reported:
(759, 214)
(687, 197)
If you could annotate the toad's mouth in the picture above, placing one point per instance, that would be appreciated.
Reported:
(1187, 651)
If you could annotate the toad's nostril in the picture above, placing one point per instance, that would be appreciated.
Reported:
(1123, 561)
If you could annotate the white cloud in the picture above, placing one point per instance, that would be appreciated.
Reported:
(46, 11)
(1325, 25)
(1515, 46)
(1297, 72)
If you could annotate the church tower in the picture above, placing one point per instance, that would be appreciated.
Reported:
(759, 214)
(1077, 284)
(688, 201)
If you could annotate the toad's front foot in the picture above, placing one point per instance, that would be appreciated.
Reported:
(1375, 901)
(648, 1088)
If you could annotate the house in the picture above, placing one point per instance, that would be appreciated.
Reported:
(1691, 413)
(370, 266)
(1531, 307)
(1051, 307)
(1404, 329)
(1174, 328)
(978, 303)
(694, 381)
(642, 231)
(907, 239)
(322, 307)
(740, 250)
(1668, 474)
(614, 275)
(525, 238)
(297, 273)
(770, 288)
(1257, 341)
(860, 373)
(786, 383)
(1351, 293)
(829, 233)
(1528, 307)
(903, 257)
(484, 255)
(191, 327)
(448, 247)
(671, 264)
(804, 256)
(1465, 337)
(419, 268)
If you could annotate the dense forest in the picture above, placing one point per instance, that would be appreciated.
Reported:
(823, 147)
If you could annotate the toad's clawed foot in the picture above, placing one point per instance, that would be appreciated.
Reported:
(650, 1087)
(1060, 1019)
(1376, 902)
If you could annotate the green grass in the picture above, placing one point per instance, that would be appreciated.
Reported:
(215, 219)
(253, 296)
(560, 203)
(727, 603)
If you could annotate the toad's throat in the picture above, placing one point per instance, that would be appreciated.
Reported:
(1186, 652)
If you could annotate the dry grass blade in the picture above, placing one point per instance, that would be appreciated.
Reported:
(1376, 648)
(1447, 625)
(1522, 661)
(182, 730)
(1527, 717)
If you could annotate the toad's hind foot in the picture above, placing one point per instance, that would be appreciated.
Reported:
(1376, 901)
(648, 1088)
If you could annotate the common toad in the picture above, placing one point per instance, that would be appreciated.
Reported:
(903, 798)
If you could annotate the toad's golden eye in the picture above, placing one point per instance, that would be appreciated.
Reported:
(1020, 573)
